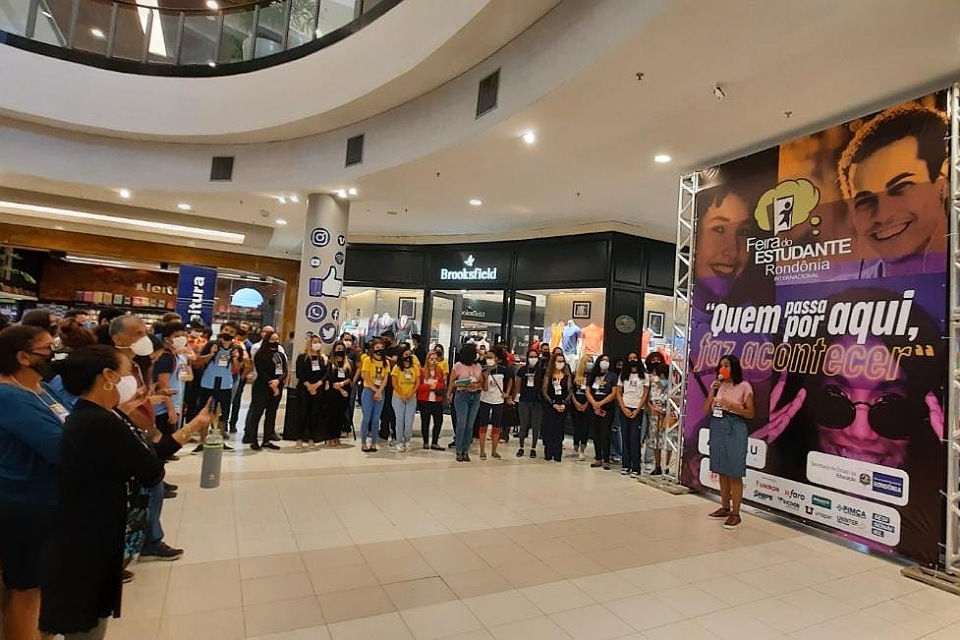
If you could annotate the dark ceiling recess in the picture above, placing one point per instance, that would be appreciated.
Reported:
(487, 93)
(221, 169)
(354, 150)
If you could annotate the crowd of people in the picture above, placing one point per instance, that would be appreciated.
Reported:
(96, 407)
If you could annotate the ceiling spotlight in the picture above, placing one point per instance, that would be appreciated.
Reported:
(211, 63)
(58, 227)
(341, 193)
(352, 191)
(476, 203)
(662, 158)
(97, 33)
(529, 137)
(124, 193)
(281, 222)
(282, 199)
(212, 5)
(295, 199)
(718, 92)
(183, 206)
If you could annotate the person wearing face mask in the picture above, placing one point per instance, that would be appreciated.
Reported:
(632, 397)
(272, 370)
(404, 378)
(616, 439)
(72, 336)
(170, 371)
(467, 378)
(31, 427)
(220, 358)
(730, 403)
(497, 391)
(311, 368)
(240, 375)
(581, 405)
(602, 392)
(430, 391)
(337, 396)
(529, 380)
(105, 461)
(556, 389)
(373, 372)
(353, 357)
(657, 411)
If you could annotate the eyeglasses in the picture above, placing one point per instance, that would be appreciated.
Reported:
(893, 416)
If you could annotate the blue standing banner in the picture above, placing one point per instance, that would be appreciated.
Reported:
(195, 292)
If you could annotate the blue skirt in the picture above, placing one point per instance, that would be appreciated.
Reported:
(728, 446)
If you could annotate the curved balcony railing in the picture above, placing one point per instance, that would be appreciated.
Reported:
(183, 37)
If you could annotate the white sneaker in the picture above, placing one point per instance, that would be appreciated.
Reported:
(582, 456)
(624, 472)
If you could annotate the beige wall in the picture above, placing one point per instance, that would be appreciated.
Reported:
(559, 308)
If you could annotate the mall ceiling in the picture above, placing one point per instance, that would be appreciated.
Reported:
(784, 67)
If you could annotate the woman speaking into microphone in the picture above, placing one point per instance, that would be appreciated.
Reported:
(730, 403)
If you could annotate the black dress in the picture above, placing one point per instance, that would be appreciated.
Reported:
(310, 369)
(82, 560)
(335, 405)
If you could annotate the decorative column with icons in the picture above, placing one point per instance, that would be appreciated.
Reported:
(321, 268)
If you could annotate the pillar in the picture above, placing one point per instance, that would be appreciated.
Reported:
(321, 268)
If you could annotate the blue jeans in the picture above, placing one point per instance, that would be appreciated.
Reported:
(634, 433)
(467, 404)
(616, 440)
(370, 422)
(155, 536)
(406, 411)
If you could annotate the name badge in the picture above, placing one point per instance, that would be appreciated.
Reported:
(279, 370)
(182, 374)
(557, 388)
(596, 384)
(315, 365)
(530, 379)
(59, 410)
(223, 359)
(717, 411)
(340, 374)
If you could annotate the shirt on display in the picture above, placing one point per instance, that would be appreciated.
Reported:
(592, 340)
(556, 335)
(570, 336)
(632, 390)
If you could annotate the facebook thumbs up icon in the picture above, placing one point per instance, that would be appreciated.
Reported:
(328, 286)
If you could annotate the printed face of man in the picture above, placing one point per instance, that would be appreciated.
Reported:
(722, 242)
(897, 206)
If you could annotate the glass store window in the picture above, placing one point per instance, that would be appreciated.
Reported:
(658, 325)
(245, 297)
(367, 313)
(572, 320)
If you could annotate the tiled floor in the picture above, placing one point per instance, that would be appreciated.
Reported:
(337, 544)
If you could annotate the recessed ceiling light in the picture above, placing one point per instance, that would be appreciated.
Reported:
(183, 206)
(352, 191)
(295, 199)
(124, 193)
(211, 63)
(97, 33)
(662, 158)
(476, 203)
(341, 193)
(281, 222)
(529, 137)
(212, 5)
(282, 199)
(58, 227)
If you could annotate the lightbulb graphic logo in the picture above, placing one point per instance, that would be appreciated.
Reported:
(788, 206)
(470, 260)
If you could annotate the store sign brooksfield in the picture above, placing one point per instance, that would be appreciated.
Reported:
(470, 272)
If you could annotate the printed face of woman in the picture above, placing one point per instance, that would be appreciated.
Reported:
(859, 440)
(722, 242)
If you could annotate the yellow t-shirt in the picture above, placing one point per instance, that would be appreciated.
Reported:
(443, 366)
(375, 370)
(405, 380)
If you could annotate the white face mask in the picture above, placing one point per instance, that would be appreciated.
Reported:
(604, 365)
(560, 364)
(180, 342)
(127, 387)
(348, 343)
(143, 346)
(490, 363)
(532, 362)
(316, 346)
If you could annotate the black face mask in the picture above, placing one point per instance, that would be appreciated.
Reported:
(408, 359)
(226, 337)
(634, 365)
(339, 354)
(273, 346)
(43, 367)
(378, 352)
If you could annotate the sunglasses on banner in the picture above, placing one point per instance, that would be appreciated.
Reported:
(893, 416)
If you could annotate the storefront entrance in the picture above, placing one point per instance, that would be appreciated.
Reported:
(461, 316)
